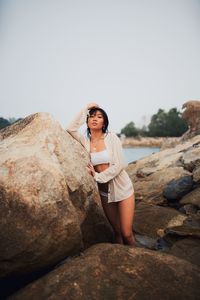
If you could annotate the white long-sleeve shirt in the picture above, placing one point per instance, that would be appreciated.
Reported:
(119, 184)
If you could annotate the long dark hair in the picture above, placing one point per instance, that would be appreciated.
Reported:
(91, 112)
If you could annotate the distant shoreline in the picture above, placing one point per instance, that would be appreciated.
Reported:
(147, 141)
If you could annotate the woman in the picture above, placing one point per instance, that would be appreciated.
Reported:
(107, 168)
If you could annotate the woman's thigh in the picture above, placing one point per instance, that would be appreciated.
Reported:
(111, 212)
(126, 213)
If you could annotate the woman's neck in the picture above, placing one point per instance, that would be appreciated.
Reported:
(95, 135)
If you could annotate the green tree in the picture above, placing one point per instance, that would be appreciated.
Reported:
(7, 122)
(143, 131)
(14, 120)
(167, 124)
(4, 123)
(157, 126)
(130, 130)
(176, 126)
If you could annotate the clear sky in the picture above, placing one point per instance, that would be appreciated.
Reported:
(132, 57)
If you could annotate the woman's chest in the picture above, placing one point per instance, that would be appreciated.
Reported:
(97, 146)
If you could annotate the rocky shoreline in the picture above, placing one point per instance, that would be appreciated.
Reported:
(54, 232)
(148, 141)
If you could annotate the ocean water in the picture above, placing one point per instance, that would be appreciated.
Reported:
(132, 154)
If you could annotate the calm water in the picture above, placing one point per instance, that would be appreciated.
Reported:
(136, 153)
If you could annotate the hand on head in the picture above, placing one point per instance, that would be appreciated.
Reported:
(92, 105)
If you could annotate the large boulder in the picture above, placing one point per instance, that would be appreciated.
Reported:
(118, 272)
(185, 239)
(152, 220)
(49, 205)
(191, 115)
(170, 177)
(196, 174)
(152, 174)
(188, 249)
(176, 189)
(192, 198)
(191, 158)
(189, 228)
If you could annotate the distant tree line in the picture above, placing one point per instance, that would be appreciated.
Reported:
(6, 122)
(162, 124)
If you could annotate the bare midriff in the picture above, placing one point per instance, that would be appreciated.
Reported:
(101, 168)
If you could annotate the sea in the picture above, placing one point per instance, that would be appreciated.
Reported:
(133, 154)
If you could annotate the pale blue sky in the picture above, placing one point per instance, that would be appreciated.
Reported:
(130, 56)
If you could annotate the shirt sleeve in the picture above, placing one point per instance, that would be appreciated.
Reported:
(76, 123)
(115, 168)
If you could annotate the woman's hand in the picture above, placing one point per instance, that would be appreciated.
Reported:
(92, 105)
(91, 169)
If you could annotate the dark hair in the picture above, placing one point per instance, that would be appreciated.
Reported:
(105, 118)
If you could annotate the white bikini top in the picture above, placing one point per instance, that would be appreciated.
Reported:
(101, 157)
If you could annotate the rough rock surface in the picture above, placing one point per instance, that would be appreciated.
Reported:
(145, 141)
(151, 220)
(108, 271)
(167, 189)
(192, 116)
(48, 202)
(196, 174)
(188, 249)
(192, 198)
(176, 189)
(151, 174)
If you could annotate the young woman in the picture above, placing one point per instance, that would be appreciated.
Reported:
(107, 168)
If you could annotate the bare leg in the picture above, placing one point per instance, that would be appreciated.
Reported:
(126, 213)
(112, 214)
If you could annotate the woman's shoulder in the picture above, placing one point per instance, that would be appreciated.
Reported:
(112, 135)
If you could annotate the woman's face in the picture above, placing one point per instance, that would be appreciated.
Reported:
(96, 121)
